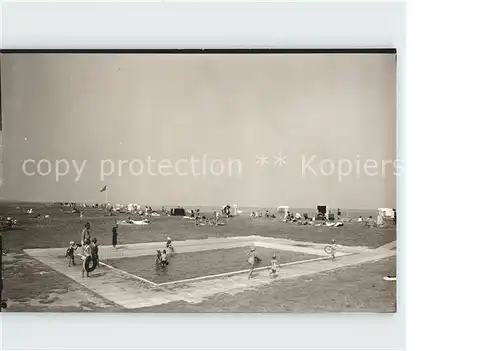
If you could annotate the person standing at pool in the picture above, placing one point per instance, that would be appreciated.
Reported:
(115, 234)
(85, 233)
(86, 252)
(70, 253)
(94, 250)
(253, 260)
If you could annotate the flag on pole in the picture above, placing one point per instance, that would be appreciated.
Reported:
(104, 188)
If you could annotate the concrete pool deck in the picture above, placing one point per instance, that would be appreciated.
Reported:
(131, 291)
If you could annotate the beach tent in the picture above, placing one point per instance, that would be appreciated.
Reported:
(384, 214)
(282, 209)
(179, 212)
(323, 210)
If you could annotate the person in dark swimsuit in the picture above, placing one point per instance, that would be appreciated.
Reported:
(94, 250)
(115, 234)
(164, 258)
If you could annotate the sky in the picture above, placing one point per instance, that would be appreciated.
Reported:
(253, 130)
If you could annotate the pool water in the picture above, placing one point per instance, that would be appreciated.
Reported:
(201, 263)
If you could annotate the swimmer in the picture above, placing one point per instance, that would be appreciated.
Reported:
(169, 245)
(158, 257)
(164, 258)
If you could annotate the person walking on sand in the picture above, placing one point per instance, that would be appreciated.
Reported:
(274, 267)
(115, 235)
(334, 248)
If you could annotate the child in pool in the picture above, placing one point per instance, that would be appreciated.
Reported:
(164, 258)
(169, 245)
(158, 257)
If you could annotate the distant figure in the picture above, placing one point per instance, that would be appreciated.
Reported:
(115, 234)
(338, 213)
(81, 215)
(360, 219)
(370, 222)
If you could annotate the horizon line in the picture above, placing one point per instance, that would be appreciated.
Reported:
(182, 206)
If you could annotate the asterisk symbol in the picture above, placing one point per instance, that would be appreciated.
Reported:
(261, 160)
(280, 160)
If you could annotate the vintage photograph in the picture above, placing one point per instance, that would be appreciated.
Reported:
(199, 181)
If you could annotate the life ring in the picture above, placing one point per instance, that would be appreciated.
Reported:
(329, 249)
(88, 267)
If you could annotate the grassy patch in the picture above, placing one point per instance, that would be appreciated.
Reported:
(351, 289)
